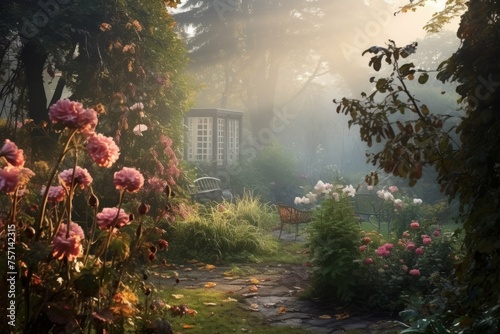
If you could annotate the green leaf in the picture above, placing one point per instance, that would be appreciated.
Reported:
(422, 79)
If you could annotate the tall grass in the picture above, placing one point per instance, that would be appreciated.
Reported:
(225, 231)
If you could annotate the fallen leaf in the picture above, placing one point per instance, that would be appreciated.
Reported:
(228, 274)
(193, 261)
(209, 304)
(186, 326)
(209, 267)
(253, 288)
(254, 280)
(176, 296)
(210, 284)
(282, 310)
(229, 299)
(254, 307)
(325, 316)
(187, 269)
(191, 312)
(341, 316)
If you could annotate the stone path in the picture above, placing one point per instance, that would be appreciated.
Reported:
(275, 292)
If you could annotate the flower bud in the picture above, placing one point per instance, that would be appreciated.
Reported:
(93, 201)
(143, 208)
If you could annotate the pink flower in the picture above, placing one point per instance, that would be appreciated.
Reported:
(384, 252)
(437, 232)
(72, 115)
(368, 260)
(410, 246)
(12, 154)
(389, 247)
(393, 189)
(414, 225)
(56, 194)
(163, 244)
(426, 241)
(414, 272)
(82, 177)
(404, 268)
(419, 251)
(362, 248)
(107, 216)
(156, 184)
(366, 240)
(103, 150)
(74, 230)
(12, 178)
(129, 179)
(70, 247)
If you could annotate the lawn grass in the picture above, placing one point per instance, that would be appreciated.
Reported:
(218, 313)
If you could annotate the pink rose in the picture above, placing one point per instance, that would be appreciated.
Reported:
(366, 240)
(68, 246)
(414, 225)
(362, 248)
(414, 272)
(410, 246)
(129, 179)
(12, 154)
(419, 251)
(107, 216)
(82, 178)
(426, 241)
(437, 232)
(103, 150)
(393, 189)
(368, 260)
(384, 252)
(389, 247)
(12, 178)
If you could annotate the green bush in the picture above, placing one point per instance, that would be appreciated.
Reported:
(334, 237)
(226, 231)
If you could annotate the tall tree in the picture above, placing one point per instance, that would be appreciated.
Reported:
(468, 166)
(249, 41)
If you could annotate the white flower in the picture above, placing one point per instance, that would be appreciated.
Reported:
(311, 197)
(388, 196)
(399, 204)
(369, 187)
(297, 200)
(380, 193)
(336, 197)
(137, 105)
(139, 129)
(417, 201)
(349, 190)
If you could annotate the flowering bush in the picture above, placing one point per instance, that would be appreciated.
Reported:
(408, 266)
(69, 266)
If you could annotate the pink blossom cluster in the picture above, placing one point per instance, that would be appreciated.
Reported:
(12, 154)
(385, 250)
(112, 217)
(73, 115)
(80, 177)
(103, 150)
(14, 176)
(68, 245)
(128, 179)
(55, 194)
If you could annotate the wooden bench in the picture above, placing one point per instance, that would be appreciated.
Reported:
(208, 189)
(371, 208)
(292, 216)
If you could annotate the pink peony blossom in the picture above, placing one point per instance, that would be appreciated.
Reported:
(368, 260)
(384, 252)
(68, 246)
(414, 272)
(103, 150)
(426, 241)
(72, 115)
(393, 189)
(414, 225)
(366, 240)
(157, 185)
(82, 177)
(12, 178)
(437, 232)
(362, 248)
(129, 179)
(163, 244)
(410, 246)
(12, 154)
(106, 218)
(74, 230)
(389, 247)
(419, 251)
(56, 194)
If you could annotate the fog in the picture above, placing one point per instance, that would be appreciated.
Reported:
(290, 59)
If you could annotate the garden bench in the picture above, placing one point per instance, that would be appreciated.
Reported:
(371, 209)
(292, 216)
(207, 189)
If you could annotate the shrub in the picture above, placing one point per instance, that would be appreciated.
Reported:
(334, 235)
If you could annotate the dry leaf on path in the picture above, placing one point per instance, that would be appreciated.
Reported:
(254, 307)
(229, 299)
(210, 285)
(209, 267)
(341, 316)
(254, 280)
(209, 304)
(325, 316)
(282, 310)
(186, 326)
(176, 296)
(253, 288)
